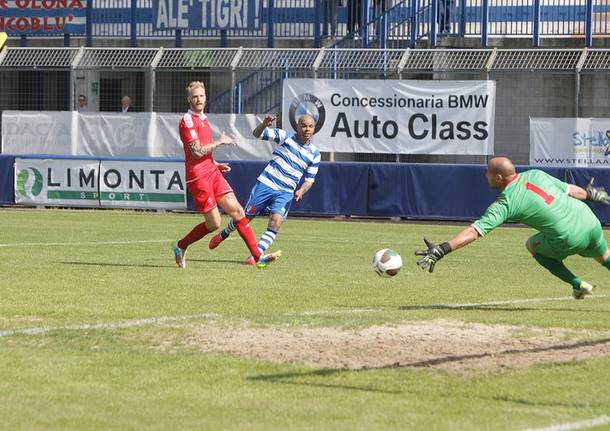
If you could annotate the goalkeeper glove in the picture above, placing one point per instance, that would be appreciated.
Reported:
(433, 254)
(597, 194)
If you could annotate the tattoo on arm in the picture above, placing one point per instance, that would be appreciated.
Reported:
(198, 150)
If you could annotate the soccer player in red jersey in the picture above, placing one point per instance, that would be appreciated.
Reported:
(206, 183)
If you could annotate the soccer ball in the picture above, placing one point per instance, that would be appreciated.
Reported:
(387, 263)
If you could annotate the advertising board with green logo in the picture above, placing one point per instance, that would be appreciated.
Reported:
(95, 183)
(57, 182)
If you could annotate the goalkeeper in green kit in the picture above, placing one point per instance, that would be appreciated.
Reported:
(565, 225)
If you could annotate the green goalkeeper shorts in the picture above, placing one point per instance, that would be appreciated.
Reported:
(588, 243)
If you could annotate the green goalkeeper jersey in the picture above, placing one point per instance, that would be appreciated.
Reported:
(540, 201)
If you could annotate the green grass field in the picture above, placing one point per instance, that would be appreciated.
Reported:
(100, 330)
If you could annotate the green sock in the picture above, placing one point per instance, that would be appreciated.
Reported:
(558, 269)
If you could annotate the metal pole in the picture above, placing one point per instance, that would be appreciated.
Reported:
(383, 30)
(579, 66)
(89, 23)
(152, 76)
(536, 38)
(413, 38)
(589, 24)
(363, 25)
(232, 97)
(462, 29)
(270, 18)
(485, 24)
(432, 23)
(316, 24)
(133, 25)
(577, 95)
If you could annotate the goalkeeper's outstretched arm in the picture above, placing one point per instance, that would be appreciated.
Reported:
(592, 194)
(434, 252)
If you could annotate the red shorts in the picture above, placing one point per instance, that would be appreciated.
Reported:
(206, 189)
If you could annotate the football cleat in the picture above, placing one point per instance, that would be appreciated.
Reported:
(179, 255)
(250, 261)
(266, 259)
(584, 290)
(215, 241)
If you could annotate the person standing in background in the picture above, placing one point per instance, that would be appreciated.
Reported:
(82, 103)
(126, 104)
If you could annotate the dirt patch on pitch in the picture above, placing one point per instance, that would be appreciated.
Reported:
(441, 344)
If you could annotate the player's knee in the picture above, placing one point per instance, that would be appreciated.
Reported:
(212, 225)
(237, 213)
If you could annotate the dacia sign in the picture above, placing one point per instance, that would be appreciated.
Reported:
(96, 183)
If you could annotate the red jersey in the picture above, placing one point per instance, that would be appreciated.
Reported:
(193, 127)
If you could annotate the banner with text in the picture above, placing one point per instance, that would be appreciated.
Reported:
(95, 183)
(34, 17)
(110, 134)
(391, 116)
(570, 142)
(206, 14)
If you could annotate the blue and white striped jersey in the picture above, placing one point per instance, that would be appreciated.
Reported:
(289, 161)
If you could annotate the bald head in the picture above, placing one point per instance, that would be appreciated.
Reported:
(500, 170)
(306, 118)
(306, 129)
(501, 165)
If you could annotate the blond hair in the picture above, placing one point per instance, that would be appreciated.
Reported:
(193, 85)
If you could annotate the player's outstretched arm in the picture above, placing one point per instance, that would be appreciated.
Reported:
(267, 121)
(597, 194)
(434, 252)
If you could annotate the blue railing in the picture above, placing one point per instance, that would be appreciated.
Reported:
(403, 20)
(257, 92)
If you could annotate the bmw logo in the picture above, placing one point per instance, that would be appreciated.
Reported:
(307, 104)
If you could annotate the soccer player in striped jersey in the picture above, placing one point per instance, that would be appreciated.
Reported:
(294, 158)
(206, 183)
(566, 225)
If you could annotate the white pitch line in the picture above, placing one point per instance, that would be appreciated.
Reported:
(117, 325)
(87, 243)
(456, 306)
(163, 319)
(589, 423)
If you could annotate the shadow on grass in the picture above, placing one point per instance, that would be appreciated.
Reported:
(490, 307)
(461, 358)
(286, 379)
(537, 403)
(150, 265)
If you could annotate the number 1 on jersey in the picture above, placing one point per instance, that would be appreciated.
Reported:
(548, 199)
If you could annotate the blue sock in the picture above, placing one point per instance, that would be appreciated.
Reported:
(266, 240)
(227, 230)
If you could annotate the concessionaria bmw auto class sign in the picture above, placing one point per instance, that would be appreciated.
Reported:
(394, 116)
